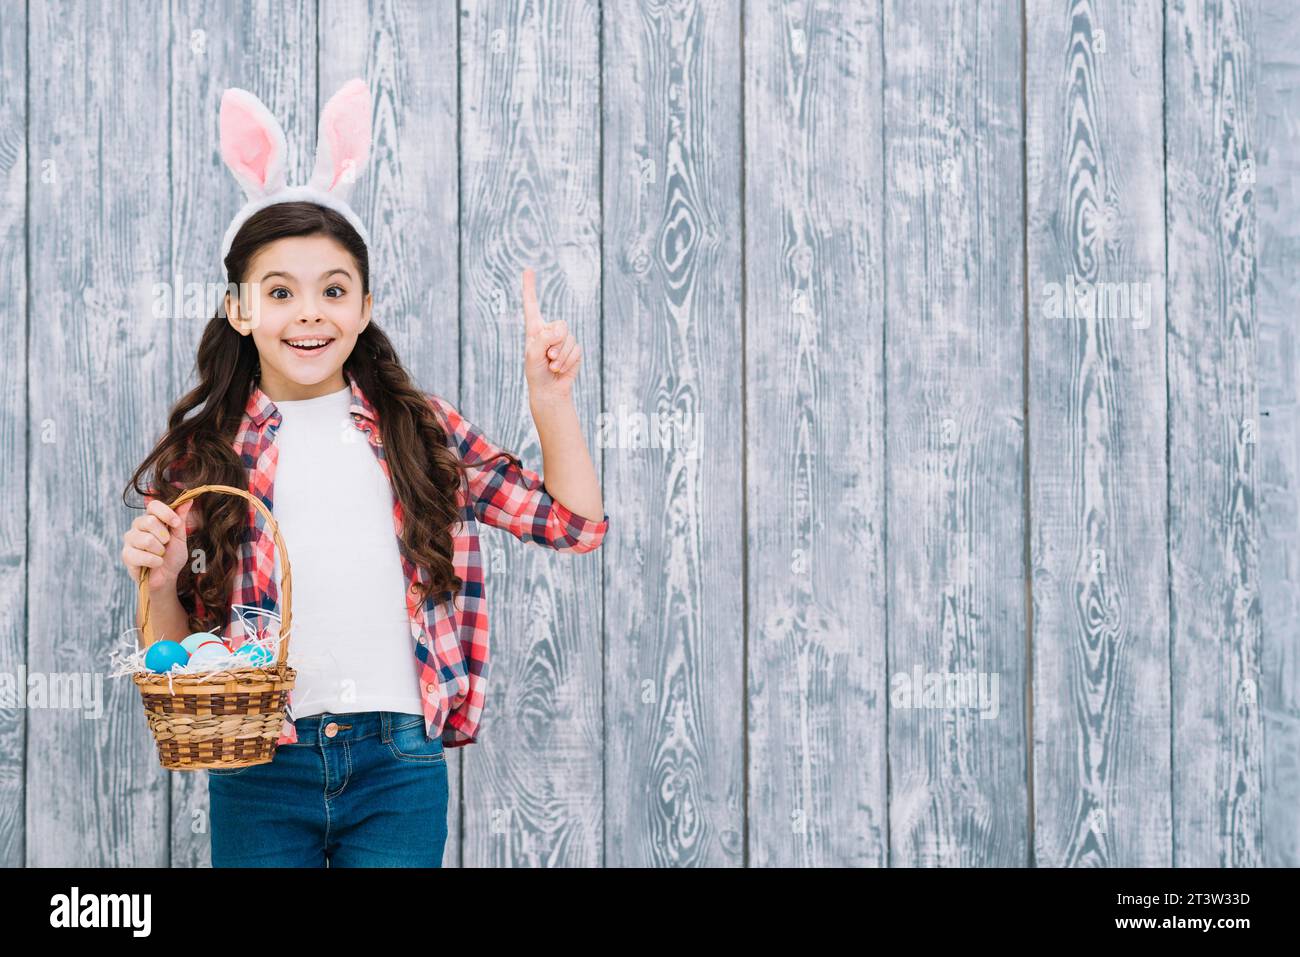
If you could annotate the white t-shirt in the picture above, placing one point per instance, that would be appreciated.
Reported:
(350, 637)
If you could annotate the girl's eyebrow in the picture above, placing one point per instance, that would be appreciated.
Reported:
(328, 272)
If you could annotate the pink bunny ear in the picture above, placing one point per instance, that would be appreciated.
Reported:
(344, 142)
(252, 143)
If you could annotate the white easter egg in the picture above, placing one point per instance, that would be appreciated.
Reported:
(209, 656)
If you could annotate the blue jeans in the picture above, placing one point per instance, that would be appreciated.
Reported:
(372, 794)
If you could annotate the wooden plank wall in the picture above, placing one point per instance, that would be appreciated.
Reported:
(851, 433)
(1213, 436)
(13, 422)
(953, 353)
(1276, 71)
(1097, 424)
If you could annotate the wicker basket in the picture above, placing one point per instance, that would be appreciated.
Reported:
(231, 721)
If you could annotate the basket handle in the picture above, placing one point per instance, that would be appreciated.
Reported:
(286, 576)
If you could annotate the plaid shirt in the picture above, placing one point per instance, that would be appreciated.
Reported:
(449, 639)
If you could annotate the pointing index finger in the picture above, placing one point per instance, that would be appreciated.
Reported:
(533, 323)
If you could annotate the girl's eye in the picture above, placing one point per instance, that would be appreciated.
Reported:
(281, 289)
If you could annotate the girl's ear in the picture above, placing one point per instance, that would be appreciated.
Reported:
(344, 142)
(236, 313)
(252, 143)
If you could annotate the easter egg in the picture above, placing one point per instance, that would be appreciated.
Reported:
(209, 655)
(163, 654)
(191, 644)
(258, 657)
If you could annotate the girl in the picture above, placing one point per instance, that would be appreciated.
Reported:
(377, 488)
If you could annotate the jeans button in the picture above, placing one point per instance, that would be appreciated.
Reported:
(331, 729)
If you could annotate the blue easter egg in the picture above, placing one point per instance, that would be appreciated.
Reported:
(258, 657)
(163, 654)
(191, 644)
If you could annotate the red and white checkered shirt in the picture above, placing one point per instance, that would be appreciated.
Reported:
(449, 639)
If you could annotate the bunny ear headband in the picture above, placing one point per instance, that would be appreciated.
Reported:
(253, 147)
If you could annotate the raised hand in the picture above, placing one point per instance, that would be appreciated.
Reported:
(551, 354)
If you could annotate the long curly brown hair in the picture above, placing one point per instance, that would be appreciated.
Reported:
(425, 469)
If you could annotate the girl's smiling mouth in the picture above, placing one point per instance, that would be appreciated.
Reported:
(309, 345)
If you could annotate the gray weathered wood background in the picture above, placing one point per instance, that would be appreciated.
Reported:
(824, 233)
